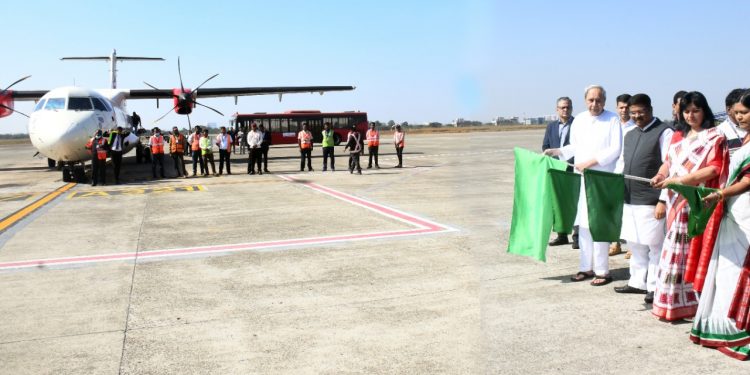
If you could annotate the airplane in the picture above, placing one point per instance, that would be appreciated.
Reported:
(65, 118)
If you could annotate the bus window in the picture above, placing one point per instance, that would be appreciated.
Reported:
(274, 125)
(283, 125)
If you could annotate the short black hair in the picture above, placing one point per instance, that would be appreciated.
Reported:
(699, 100)
(733, 97)
(640, 99)
(678, 95)
(624, 98)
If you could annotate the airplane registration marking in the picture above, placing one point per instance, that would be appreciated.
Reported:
(29, 209)
(419, 226)
(135, 191)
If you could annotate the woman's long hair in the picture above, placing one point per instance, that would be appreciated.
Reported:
(699, 100)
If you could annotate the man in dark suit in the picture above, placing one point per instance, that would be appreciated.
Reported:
(558, 135)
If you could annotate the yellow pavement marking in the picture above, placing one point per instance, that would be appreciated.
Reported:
(135, 191)
(16, 197)
(20, 214)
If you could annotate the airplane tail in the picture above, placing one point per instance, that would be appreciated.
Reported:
(113, 59)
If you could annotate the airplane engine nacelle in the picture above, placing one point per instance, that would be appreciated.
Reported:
(6, 103)
(183, 101)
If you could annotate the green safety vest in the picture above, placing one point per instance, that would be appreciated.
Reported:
(327, 139)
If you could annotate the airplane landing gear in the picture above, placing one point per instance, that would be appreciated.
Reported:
(74, 172)
(51, 163)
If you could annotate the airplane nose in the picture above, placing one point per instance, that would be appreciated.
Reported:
(62, 135)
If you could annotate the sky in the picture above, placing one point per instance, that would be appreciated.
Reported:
(414, 61)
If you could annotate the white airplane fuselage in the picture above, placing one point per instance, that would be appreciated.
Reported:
(66, 118)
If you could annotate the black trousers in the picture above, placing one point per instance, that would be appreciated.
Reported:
(373, 151)
(224, 159)
(399, 153)
(328, 152)
(354, 162)
(157, 158)
(198, 160)
(305, 153)
(98, 170)
(179, 163)
(209, 158)
(117, 162)
(264, 152)
(254, 159)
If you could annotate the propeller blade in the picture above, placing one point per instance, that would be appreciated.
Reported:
(190, 125)
(179, 72)
(13, 84)
(165, 115)
(150, 85)
(13, 110)
(204, 82)
(203, 105)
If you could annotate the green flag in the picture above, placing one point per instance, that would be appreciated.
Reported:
(532, 211)
(605, 196)
(699, 213)
(566, 188)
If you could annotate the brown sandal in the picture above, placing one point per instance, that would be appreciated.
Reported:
(601, 280)
(581, 276)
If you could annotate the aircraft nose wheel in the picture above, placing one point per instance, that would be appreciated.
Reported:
(74, 173)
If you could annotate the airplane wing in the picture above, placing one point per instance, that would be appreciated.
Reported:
(236, 91)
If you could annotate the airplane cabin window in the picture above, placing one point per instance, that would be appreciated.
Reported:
(54, 104)
(99, 105)
(80, 104)
(39, 105)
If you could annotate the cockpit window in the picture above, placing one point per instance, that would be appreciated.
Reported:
(39, 105)
(55, 104)
(98, 105)
(80, 104)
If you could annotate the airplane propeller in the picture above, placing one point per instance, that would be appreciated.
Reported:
(6, 90)
(185, 99)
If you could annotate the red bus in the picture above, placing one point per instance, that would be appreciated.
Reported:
(285, 126)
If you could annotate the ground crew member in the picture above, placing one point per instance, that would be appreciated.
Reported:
(136, 122)
(304, 140)
(398, 141)
(177, 148)
(195, 147)
(354, 144)
(373, 141)
(116, 140)
(98, 147)
(207, 152)
(264, 147)
(224, 142)
(328, 148)
(254, 141)
(156, 143)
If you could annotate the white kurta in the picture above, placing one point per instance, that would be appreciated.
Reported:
(593, 137)
(730, 130)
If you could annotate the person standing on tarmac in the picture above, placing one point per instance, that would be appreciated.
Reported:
(398, 141)
(156, 143)
(177, 146)
(354, 144)
(328, 149)
(305, 142)
(264, 145)
(98, 146)
(224, 142)
(254, 141)
(373, 142)
(207, 152)
(194, 140)
(115, 151)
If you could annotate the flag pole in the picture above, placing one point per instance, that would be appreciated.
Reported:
(627, 177)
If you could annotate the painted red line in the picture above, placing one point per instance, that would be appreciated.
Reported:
(209, 249)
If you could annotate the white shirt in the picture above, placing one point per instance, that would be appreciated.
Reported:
(254, 138)
(731, 131)
(595, 137)
(224, 140)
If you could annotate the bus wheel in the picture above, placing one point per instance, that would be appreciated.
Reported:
(336, 139)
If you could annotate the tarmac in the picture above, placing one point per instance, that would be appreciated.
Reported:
(394, 271)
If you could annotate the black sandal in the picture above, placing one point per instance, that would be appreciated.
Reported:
(601, 280)
(581, 276)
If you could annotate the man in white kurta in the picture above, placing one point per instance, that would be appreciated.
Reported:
(643, 223)
(595, 142)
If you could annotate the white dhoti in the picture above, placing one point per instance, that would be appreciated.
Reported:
(594, 256)
(645, 237)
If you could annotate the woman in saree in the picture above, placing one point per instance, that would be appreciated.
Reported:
(723, 317)
(698, 156)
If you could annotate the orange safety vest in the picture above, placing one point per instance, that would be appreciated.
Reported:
(157, 144)
(398, 139)
(196, 145)
(176, 144)
(101, 152)
(373, 138)
(305, 139)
